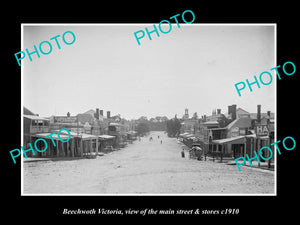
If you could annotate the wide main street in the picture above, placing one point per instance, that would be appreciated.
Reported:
(144, 167)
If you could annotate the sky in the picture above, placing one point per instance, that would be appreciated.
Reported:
(195, 66)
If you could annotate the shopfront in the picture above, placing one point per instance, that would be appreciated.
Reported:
(229, 147)
(263, 139)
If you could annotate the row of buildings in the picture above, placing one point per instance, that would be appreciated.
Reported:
(232, 134)
(91, 133)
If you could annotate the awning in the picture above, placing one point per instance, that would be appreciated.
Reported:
(264, 137)
(220, 128)
(105, 136)
(87, 136)
(54, 136)
(79, 135)
(184, 134)
(65, 136)
(114, 124)
(232, 140)
(211, 123)
(32, 117)
(189, 135)
(66, 133)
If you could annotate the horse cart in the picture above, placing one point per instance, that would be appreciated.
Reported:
(196, 152)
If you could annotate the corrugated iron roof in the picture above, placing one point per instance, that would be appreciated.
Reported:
(211, 122)
(105, 136)
(236, 140)
(54, 136)
(33, 117)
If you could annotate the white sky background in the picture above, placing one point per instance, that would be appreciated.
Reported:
(194, 66)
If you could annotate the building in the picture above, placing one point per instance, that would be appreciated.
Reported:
(246, 134)
(79, 145)
(105, 141)
(264, 134)
(189, 125)
(186, 114)
(32, 125)
(215, 116)
(233, 134)
(232, 140)
(68, 121)
(241, 113)
(119, 131)
(90, 133)
(36, 127)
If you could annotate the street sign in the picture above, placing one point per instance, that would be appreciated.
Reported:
(262, 130)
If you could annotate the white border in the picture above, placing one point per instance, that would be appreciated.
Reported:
(22, 103)
(146, 24)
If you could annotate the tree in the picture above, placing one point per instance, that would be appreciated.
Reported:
(143, 118)
(173, 127)
(142, 128)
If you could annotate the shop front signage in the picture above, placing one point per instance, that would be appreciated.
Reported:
(262, 130)
(65, 119)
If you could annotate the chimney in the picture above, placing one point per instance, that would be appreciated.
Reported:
(204, 117)
(97, 113)
(258, 113)
(233, 112)
(101, 112)
(229, 109)
(269, 113)
(108, 114)
(219, 111)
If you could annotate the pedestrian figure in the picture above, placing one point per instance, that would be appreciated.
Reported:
(161, 141)
(182, 153)
(158, 136)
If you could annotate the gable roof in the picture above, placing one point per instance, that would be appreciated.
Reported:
(83, 118)
(91, 112)
(27, 111)
(243, 122)
(240, 110)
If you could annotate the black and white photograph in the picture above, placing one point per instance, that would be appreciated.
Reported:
(147, 112)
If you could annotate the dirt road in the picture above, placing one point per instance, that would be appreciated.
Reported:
(145, 167)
